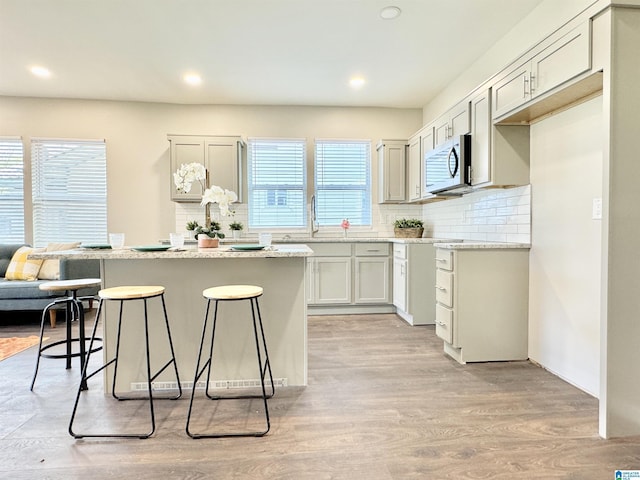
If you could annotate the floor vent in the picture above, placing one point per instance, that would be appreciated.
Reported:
(227, 384)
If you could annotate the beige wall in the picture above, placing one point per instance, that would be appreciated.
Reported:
(138, 151)
(564, 269)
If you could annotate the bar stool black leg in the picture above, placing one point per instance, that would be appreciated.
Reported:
(114, 361)
(68, 316)
(262, 368)
(267, 366)
(198, 371)
(81, 335)
(35, 373)
(173, 354)
(210, 361)
(117, 355)
(74, 311)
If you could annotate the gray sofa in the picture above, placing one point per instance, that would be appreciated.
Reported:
(18, 295)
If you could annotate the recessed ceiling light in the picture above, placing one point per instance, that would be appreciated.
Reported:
(192, 78)
(39, 71)
(356, 82)
(389, 13)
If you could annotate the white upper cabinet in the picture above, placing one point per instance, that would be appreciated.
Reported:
(481, 138)
(499, 154)
(391, 171)
(426, 145)
(415, 169)
(453, 123)
(562, 60)
(419, 144)
(221, 156)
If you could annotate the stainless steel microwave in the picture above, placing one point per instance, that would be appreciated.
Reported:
(447, 166)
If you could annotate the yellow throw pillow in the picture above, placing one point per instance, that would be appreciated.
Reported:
(21, 268)
(50, 269)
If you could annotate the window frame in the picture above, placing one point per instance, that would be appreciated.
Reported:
(277, 190)
(365, 221)
(12, 216)
(69, 190)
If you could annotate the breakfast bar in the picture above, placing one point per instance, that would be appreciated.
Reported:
(185, 273)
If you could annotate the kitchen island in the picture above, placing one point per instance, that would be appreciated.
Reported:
(185, 273)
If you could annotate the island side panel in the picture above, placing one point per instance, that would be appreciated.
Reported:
(283, 308)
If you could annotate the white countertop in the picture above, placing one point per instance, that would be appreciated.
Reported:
(472, 245)
(224, 251)
(363, 240)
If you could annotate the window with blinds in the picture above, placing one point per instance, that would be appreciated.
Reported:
(343, 182)
(11, 191)
(69, 179)
(277, 183)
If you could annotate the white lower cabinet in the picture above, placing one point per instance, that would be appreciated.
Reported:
(413, 282)
(348, 274)
(332, 280)
(371, 265)
(482, 303)
(400, 283)
(329, 274)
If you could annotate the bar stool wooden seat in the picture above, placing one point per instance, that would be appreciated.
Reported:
(124, 294)
(74, 311)
(223, 294)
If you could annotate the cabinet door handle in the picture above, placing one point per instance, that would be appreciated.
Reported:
(442, 324)
(532, 77)
(440, 259)
(525, 84)
(442, 289)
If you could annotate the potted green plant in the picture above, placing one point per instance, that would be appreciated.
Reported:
(236, 228)
(408, 228)
(191, 228)
(209, 237)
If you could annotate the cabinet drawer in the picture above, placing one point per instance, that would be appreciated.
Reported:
(372, 249)
(444, 259)
(444, 288)
(444, 323)
(400, 251)
(331, 249)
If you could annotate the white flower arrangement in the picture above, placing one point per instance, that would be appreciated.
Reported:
(188, 173)
(221, 196)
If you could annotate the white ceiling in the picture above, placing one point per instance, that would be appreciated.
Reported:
(258, 52)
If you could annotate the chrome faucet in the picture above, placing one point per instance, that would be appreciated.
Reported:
(314, 215)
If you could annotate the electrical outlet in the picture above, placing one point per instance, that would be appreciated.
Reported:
(597, 209)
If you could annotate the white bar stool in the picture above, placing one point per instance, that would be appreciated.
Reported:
(224, 294)
(124, 294)
(74, 311)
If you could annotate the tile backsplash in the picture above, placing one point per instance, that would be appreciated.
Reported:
(495, 215)
(500, 215)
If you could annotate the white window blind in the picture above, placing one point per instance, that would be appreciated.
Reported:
(277, 183)
(69, 191)
(11, 191)
(343, 182)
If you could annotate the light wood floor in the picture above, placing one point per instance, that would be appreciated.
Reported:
(383, 402)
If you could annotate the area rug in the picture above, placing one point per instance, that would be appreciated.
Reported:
(11, 346)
